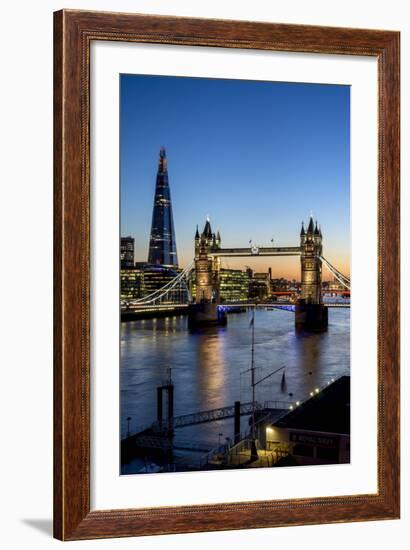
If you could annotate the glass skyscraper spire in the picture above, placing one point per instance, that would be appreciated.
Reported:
(162, 245)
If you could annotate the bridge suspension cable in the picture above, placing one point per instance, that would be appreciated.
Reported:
(161, 292)
(345, 281)
(181, 281)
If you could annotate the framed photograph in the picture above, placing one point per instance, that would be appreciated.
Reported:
(226, 275)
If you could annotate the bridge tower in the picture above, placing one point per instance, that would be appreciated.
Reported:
(311, 266)
(205, 291)
(205, 311)
(311, 314)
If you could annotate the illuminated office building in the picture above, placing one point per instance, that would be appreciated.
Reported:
(144, 279)
(233, 285)
(259, 286)
(280, 284)
(127, 252)
(154, 277)
(131, 283)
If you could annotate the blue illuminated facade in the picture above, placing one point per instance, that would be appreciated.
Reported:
(162, 245)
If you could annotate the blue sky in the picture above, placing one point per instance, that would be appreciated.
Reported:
(256, 157)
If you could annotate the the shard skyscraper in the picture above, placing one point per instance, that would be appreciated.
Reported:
(162, 245)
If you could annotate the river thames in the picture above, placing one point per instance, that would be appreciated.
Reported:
(208, 366)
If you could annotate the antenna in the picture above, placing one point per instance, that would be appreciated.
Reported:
(253, 373)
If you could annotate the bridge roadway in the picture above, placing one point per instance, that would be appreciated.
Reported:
(279, 304)
(183, 307)
(257, 251)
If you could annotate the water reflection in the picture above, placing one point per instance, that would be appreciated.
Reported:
(211, 367)
(207, 365)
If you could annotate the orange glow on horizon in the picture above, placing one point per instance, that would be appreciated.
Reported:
(287, 267)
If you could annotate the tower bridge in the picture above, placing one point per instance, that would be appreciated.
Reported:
(311, 312)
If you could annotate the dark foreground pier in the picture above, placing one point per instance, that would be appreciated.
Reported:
(314, 431)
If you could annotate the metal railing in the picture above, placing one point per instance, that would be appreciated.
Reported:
(221, 413)
(216, 453)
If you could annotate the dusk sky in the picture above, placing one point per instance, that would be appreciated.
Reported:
(256, 157)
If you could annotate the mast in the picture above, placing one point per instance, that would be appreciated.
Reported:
(253, 372)
(254, 383)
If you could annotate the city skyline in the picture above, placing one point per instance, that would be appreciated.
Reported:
(286, 154)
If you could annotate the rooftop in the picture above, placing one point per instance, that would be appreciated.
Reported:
(326, 411)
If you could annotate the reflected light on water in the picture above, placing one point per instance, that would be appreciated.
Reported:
(206, 365)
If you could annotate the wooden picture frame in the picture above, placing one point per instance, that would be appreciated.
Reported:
(73, 33)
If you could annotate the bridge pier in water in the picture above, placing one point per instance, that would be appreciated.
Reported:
(206, 314)
(310, 317)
